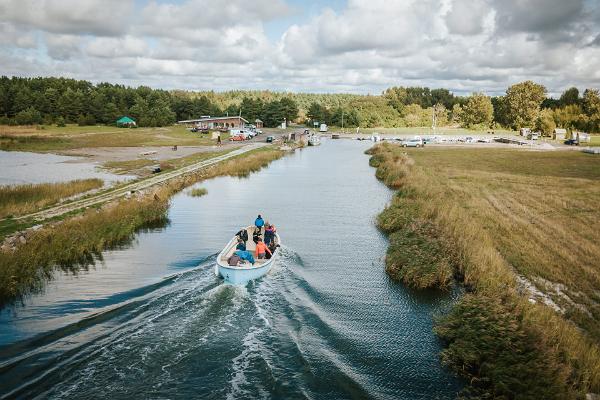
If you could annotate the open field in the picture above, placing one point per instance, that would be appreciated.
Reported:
(22, 199)
(54, 139)
(520, 229)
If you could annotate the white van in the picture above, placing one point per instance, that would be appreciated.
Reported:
(323, 128)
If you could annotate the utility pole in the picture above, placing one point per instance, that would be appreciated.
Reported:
(342, 120)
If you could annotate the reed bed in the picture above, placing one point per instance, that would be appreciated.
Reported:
(78, 241)
(508, 214)
(18, 200)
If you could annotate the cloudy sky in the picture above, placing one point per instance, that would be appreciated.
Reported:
(358, 46)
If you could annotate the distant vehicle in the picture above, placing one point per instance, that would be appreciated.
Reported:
(306, 131)
(270, 139)
(237, 138)
(571, 142)
(533, 136)
(484, 140)
(524, 131)
(413, 143)
(245, 133)
(323, 128)
(470, 139)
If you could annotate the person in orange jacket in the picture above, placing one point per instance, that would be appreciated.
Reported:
(262, 250)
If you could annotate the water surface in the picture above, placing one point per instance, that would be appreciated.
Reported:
(152, 320)
(20, 167)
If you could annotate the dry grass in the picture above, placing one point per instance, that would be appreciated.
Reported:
(510, 212)
(18, 200)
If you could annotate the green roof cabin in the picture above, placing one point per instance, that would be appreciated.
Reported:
(125, 121)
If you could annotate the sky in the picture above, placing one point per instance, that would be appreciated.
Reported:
(349, 46)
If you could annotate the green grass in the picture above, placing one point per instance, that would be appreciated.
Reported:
(507, 213)
(198, 192)
(16, 200)
(76, 137)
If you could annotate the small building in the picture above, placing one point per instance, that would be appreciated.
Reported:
(258, 123)
(221, 123)
(560, 134)
(525, 131)
(126, 121)
(581, 137)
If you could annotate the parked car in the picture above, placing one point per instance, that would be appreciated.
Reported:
(413, 143)
(470, 139)
(533, 136)
(484, 140)
(237, 138)
(571, 142)
(270, 139)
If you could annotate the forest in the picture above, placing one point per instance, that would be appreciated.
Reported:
(53, 100)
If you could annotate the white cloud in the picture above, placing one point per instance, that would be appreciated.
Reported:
(366, 46)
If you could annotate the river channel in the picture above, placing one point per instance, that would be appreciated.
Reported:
(151, 320)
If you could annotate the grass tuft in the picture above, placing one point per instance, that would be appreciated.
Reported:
(198, 192)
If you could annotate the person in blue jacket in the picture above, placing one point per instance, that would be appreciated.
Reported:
(259, 222)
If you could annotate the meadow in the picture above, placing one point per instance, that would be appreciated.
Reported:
(518, 229)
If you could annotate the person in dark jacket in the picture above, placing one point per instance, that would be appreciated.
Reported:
(243, 235)
(269, 233)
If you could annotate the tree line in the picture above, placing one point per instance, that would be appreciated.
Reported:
(29, 101)
(61, 100)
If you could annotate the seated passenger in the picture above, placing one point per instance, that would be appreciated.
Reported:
(234, 260)
(241, 245)
(245, 255)
(262, 250)
(257, 236)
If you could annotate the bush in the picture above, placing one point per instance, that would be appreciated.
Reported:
(488, 344)
(29, 116)
(85, 120)
(60, 122)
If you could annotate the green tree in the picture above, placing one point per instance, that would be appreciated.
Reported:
(289, 109)
(29, 116)
(478, 111)
(569, 97)
(523, 102)
(591, 108)
(545, 122)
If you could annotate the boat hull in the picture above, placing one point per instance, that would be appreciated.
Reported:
(238, 276)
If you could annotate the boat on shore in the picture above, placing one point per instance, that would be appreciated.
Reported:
(244, 271)
(314, 140)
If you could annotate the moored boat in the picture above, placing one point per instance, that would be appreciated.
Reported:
(314, 140)
(244, 271)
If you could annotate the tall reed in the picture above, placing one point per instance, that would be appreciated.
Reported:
(23, 199)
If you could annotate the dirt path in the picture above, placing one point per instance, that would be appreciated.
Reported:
(135, 186)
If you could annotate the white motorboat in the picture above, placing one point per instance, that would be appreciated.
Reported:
(244, 271)
(314, 140)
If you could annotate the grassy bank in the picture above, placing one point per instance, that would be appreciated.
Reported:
(499, 218)
(198, 192)
(17, 200)
(77, 241)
